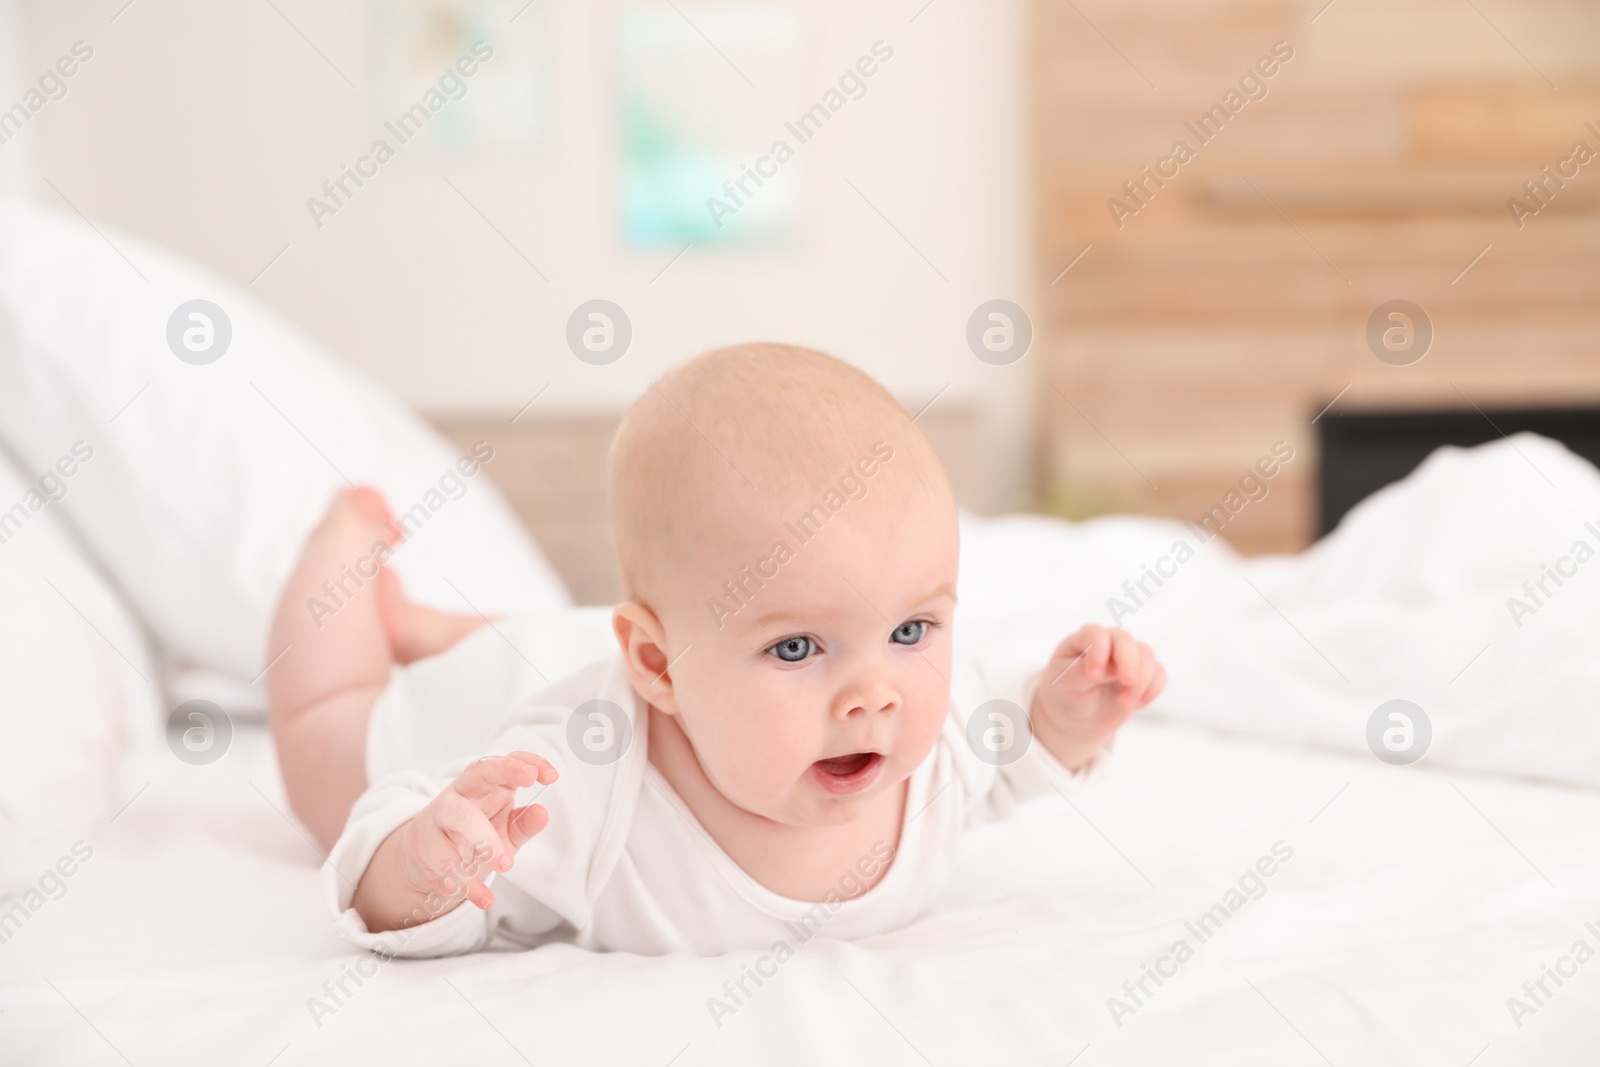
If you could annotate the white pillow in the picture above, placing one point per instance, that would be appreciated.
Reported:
(205, 479)
(76, 689)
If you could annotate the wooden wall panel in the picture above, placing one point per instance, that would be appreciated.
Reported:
(1232, 306)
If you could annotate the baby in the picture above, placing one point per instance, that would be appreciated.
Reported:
(780, 737)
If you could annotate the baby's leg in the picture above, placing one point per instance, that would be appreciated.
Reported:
(335, 662)
(342, 622)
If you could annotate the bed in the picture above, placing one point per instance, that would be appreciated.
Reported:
(1394, 935)
(1252, 884)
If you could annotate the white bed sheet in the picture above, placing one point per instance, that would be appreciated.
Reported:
(1416, 902)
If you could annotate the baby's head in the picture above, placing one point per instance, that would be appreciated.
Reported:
(788, 544)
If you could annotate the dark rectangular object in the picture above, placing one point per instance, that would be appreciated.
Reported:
(1364, 451)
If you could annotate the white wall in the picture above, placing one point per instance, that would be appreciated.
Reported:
(16, 159)
(206, 126)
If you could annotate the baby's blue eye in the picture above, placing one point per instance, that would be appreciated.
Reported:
(909, 633)
(793, 649)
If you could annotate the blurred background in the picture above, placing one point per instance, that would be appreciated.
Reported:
(1171, 314)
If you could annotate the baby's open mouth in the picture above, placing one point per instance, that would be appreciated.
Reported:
(848, 774)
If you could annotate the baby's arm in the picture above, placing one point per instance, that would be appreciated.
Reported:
(1096, 679)
(439, 857)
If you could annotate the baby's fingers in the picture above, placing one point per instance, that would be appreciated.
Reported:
(547, 772)
(1083, 654)
(474, 836)
(524, 823)
(442, 862)
(1127, 658)
(491, 774)
(480, 894)
(1136, 693)
(1158, 682)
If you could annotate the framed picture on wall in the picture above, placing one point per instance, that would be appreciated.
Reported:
(422, 92)
(701, 92)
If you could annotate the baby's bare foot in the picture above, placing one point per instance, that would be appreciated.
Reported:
(416, 631)
(344, 553)
(370, 505)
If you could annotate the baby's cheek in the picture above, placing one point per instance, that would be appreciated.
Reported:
(927, 717)
(928, 725)
(761, 745)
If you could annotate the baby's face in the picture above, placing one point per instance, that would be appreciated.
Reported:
(826, 685)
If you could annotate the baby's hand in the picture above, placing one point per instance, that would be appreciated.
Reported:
(1095, 680)
(472, 826)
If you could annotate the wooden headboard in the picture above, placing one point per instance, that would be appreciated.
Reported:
(552, 470)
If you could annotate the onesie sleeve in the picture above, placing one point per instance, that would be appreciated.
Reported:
(999, 763)
(557, 874)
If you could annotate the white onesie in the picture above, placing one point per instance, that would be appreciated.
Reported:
(623, 865)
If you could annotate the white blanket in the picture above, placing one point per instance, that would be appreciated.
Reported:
(1428, 592)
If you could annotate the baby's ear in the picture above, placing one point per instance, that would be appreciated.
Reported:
(642, 639)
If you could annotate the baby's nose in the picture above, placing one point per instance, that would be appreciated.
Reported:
(874, 693)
